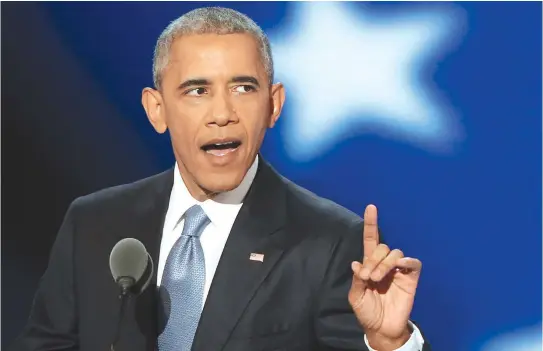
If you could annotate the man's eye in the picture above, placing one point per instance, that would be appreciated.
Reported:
(196, 92)
(244, 89)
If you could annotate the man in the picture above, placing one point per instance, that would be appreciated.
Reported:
(246, 259)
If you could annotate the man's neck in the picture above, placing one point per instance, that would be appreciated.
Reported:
(201, 194)
(198, 193)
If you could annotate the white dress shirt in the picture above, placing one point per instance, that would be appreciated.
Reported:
(222, 211)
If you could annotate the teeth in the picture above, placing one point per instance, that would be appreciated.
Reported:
(220, 152)
(221, 146)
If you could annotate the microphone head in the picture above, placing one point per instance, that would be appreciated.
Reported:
(128, 259)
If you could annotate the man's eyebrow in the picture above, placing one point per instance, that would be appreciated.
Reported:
(245, 79)
(203, 81)
(193, 82)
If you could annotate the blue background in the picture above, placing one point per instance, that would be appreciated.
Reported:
(472, 215)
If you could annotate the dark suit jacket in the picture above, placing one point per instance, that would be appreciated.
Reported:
(296, 299)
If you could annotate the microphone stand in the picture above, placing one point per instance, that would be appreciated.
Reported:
(126, 284)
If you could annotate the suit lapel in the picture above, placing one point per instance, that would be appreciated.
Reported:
(258, 229)
(147, 226)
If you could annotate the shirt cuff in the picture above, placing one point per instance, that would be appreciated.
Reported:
(414, 343)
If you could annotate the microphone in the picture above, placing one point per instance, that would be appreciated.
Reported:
(129, 261)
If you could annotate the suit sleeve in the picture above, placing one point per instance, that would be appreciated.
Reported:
(336, 326)
(52, 324)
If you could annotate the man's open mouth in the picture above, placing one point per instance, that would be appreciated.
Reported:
(221, 148)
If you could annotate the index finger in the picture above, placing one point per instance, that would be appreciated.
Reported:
(371, 233)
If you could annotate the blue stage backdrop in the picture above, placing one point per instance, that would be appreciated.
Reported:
(431, 111)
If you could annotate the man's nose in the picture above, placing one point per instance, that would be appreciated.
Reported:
(223, 111)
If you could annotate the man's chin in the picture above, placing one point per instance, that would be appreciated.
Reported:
(221, 183)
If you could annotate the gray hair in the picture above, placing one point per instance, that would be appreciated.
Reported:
(209, 20)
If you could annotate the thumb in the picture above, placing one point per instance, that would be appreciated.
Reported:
(358, 285)
(356, 267)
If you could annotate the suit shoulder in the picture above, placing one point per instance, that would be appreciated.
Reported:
(318, 212)
(124, 193)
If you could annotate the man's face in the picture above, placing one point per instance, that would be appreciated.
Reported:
(217, 103)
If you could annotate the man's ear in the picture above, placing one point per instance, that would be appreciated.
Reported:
(278, 100)
(151, 100)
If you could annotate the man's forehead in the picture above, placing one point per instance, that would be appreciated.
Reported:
(201, 67)
(210, 41)
(209, 58)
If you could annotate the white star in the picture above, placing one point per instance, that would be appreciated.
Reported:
(522, 339)
(346, 74)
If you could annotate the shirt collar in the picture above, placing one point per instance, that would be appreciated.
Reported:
(222, 209)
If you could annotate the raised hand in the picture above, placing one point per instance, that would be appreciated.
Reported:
(383, 289)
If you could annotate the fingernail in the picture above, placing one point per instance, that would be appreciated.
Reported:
(354, 267)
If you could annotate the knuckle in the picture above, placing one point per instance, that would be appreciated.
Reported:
(370, 263)
(398, 252)
(383, 248)
(384, 268)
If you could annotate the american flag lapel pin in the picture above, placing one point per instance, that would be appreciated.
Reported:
(256, 257)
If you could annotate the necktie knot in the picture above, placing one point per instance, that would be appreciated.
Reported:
(195, 221)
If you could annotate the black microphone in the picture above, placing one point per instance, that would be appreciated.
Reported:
(129, 261)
